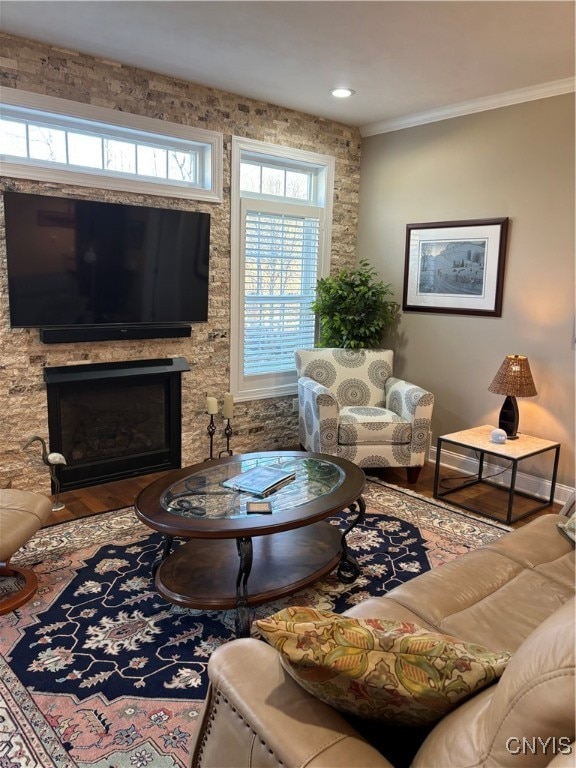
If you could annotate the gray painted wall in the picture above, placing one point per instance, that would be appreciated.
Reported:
(518, 162)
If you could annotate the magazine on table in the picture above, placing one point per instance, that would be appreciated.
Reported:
(260, 481)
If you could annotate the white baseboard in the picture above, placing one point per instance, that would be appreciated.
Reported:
(535, 486)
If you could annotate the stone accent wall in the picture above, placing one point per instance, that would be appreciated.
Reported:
(258, 425)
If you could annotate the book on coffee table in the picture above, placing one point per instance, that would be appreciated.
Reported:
(260, 481)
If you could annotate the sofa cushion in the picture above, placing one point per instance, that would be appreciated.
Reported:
(528, 573)
(392, 670)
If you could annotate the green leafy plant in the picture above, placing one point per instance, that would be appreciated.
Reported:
(353, 308)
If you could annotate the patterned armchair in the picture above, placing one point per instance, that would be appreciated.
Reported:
(351, 405)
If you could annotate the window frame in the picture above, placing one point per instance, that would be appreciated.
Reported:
(278, 384)
(120, 125)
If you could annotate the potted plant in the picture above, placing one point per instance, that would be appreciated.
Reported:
(352, 308)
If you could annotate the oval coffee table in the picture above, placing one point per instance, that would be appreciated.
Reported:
(234, 558)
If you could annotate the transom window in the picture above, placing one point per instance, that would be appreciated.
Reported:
(125, 151)
(265, 179)
(281, 214)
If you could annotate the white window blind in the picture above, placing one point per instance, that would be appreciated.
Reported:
(281, 269)
(281, 201)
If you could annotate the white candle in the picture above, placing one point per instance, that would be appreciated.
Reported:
(228, 408)
(211, 405)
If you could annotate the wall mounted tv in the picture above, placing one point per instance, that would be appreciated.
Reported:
(80, 264)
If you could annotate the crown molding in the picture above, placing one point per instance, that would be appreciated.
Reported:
(555, 88)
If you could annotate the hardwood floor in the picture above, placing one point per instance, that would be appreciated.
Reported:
(106, 497)
(122, 493)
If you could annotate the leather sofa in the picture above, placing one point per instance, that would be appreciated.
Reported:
(516, 593)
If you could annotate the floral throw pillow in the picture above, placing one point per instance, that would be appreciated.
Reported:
(569, 528)
(391, 670)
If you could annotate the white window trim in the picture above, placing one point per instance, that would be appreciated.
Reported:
(270, 385)
(28, 170)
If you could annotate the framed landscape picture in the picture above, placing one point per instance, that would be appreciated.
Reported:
(455, 267)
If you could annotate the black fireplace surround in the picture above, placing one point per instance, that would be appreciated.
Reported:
(115, 420)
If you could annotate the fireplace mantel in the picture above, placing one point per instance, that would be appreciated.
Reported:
(87, 371)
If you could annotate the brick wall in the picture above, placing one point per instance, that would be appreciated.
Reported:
(258, 425)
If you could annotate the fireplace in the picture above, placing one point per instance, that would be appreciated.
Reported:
(115, 420)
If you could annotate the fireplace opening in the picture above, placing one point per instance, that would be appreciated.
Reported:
(115, 420)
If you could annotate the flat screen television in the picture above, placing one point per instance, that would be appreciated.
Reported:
(74, 263)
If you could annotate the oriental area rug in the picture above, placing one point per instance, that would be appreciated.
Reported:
(99, 671)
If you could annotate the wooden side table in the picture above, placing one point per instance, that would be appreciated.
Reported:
(478, 440)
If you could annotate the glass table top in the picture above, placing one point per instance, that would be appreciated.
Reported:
(203, 495)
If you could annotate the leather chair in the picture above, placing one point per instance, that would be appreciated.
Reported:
(22, 513)
(351, 405)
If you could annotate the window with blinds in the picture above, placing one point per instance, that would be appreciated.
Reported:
(280, 274)
(281, 209)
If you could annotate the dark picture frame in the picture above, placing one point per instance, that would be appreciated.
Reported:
(455, 267)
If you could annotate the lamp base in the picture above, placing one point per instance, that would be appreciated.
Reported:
(509, 418)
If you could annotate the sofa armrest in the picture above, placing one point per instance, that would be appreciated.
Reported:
(318, 417)
(256, 715)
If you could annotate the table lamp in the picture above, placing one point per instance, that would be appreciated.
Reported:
(514, 379)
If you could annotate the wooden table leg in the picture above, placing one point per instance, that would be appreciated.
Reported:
(244, 546)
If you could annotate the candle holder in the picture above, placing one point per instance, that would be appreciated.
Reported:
(211, 429)
(228, 434)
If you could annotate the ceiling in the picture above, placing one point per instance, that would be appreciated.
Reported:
(408, 62)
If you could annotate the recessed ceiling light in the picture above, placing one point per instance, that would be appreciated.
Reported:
(342, 93)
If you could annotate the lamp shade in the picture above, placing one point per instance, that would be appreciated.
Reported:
(514, 378)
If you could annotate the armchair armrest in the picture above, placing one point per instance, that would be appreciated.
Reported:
(415, 405)
(318, 418)
(256, 715)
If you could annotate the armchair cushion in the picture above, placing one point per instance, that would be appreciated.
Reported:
(396, 671)
(356, 377)
(368, 424)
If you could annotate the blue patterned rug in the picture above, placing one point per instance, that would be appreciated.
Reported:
(99, 671)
